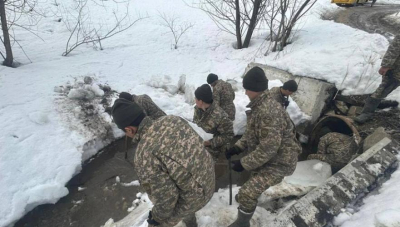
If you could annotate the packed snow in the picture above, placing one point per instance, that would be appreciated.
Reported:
(45, 138)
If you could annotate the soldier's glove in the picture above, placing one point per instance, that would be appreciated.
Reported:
(125, 95)
(237, 166)
(231, 152)
(151, 221)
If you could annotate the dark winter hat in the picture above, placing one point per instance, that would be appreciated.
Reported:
(211, 78)
(125, 95)
(126, 113)
(290, 85)
(204, 93)
(255, 80)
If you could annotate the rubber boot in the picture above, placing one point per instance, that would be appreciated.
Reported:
(190, 221)
(243, 219)
(369, 108)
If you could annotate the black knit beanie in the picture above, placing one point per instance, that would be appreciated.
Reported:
(290, 85)
(126, 113)
(255, 80)
(204, 93)
(211, 78)
(125, 95)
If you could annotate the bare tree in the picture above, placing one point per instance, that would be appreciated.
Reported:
(237, 17)
(10, 13)
(177, 30)
(82, 30)
(281, 17)
(8, 59)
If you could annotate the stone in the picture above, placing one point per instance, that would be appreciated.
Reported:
(375, 137)
(354, 111)
(341, 106)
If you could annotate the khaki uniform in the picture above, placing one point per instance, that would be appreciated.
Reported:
(174, 168)
(276, 94)
(390, 60)
(271, 149)
(223, 95)
(336, 149)
(148, 106)
(215, 121)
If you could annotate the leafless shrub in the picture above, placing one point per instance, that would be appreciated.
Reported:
(177, 29)
(83, 31)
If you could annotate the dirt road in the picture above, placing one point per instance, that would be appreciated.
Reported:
(370, 19)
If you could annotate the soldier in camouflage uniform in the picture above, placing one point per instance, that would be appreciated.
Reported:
(172, 164)
(281, 94)
(334, 148)
(223, 95)
(146, 103)
(269, 142)
(212, 119)
(390, 71)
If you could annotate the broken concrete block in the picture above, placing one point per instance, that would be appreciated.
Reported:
(375, 137)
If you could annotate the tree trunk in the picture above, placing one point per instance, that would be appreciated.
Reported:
(292, 23)
(8, 61)
(253, 23)
(238, 32)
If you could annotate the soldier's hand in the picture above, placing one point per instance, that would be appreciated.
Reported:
(151, 221)
(237, 166)
(125, 95)
(383, 70)
(232, 151)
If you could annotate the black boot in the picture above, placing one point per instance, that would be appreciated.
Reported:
(369, 108)
(190, 221)
(243, 219)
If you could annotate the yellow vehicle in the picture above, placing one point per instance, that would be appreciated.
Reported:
(349, 2)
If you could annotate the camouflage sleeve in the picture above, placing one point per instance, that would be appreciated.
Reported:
(217, 97)
(196, 116)
(270, 137)
(392, 53)
(152, 109)
(225, 130)
(161, 189)
(323, 143)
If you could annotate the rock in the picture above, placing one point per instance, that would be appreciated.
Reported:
(88, 80)
(105, 88)
(354, 111)
(375, 137)
(341, 106)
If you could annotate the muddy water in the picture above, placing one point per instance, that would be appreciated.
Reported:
(95, 196)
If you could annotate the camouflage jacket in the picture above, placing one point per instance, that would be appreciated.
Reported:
(215, 121)
(276, 94)
(223, 96)
(269, 140)
(172, 165)
(149, 107)
(392, 57)
(337, 147)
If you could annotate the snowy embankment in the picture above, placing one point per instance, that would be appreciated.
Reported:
(44, 140)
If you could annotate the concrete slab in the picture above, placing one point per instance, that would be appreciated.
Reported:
(312, 94)
(321, 205)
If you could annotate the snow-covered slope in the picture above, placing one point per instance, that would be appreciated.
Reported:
(40, 150)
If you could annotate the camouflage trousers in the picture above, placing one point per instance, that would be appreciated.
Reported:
(255, 186)
(185, 209)
(335, 162)
(389, 83)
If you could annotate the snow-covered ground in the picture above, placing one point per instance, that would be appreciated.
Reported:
(43, 140)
